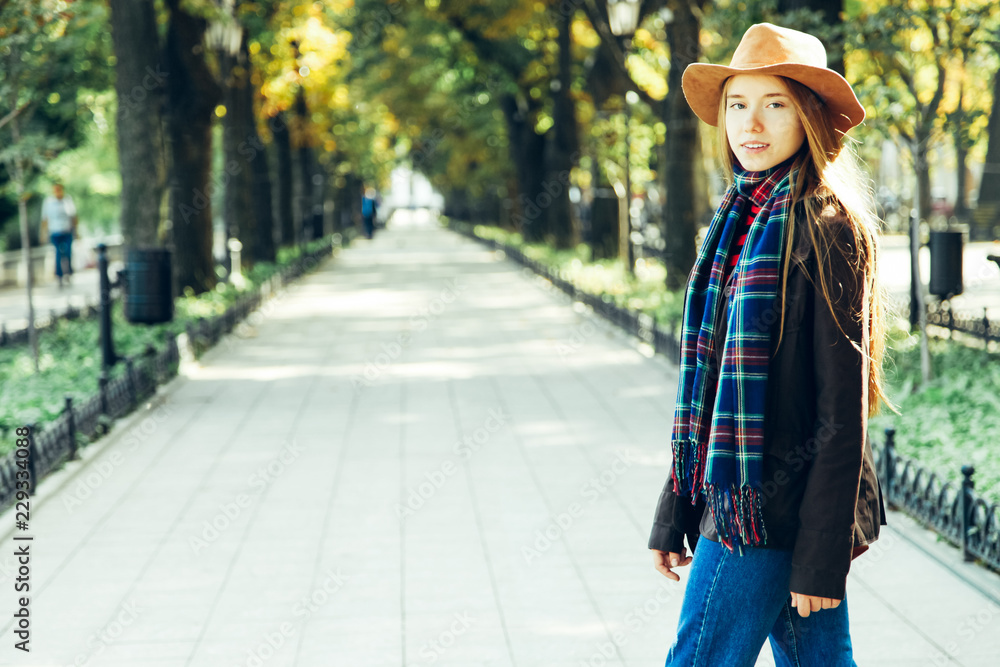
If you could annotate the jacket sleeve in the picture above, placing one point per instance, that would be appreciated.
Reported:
(675, 518)
(825, 541)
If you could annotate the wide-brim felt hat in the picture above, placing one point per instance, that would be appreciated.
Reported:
(777, 51)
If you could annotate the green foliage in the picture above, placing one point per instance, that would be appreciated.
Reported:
(69, 363)
(49, 51)
(955, 419)
(447, 80)
(727, 20)
(921, 68)
(90, 172)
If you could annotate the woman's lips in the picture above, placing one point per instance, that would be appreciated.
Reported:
(754, 147)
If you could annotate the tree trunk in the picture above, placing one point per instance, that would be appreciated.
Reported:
(320, 190)
(528, 154)
(988, 205)
(239, 148)
(22, 213)
(532, 171)
(341, 203)
(304, 192)
(605, 218)
(922, 168)
(15, 167)
(989, 187)
(961, 211)
(303, 173)
(347, 198)
(959, 121)
(456, 204)
(315, 191)
(139, 84)
(685, 202)
(283, 144)
(564, 144)
(264, 248)
(192, 94)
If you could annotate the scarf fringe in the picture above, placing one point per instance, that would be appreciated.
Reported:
(689, 461)
(737, 514)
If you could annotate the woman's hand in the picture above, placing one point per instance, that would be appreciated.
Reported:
(663, 561)
(809, 603)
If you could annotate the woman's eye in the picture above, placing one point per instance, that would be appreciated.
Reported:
(737, 105)
(776, 105)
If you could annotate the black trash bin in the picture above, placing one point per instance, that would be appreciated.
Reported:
(946, 264)
(148, 294)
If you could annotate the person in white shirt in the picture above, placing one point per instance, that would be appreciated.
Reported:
(59, 218)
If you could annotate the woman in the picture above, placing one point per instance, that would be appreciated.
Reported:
(781, 351)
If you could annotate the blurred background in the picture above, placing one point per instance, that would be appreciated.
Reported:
(215, 150)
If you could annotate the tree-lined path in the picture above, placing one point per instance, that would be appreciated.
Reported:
(417, 455)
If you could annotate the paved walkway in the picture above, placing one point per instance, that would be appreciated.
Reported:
(418, 455)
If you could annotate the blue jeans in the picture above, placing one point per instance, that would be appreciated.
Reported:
(733, 603)
(63, 241)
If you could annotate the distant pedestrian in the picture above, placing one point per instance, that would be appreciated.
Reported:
(773, 482)
(369, 209)
(59, 221)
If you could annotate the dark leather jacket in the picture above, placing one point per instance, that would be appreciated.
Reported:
(822, 497)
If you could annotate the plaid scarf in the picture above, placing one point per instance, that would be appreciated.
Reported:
(718, 435)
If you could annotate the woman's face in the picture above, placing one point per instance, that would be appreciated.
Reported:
(762, 126)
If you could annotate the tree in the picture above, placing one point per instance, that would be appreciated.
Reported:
(303, 62)
(485, 102)
(264, 129)
(305, 172)
(41, 45)
(139, 84)
(685, 200)
(988, 205)
(987, 215)
(241, 144)
(262, 246)
(193, 94)
(686, 203)
(971, 26)
(564, 144)
(283, 157)
(828, 13)
(515, 43)
(907, 52)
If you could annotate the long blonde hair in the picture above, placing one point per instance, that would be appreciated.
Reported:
(830, 180)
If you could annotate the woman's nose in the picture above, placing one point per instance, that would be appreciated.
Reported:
(752, 123)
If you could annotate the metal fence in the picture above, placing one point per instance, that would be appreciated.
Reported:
(960, 515)
(941, 314)
(58, 441)
(957, 513)
(77, 424)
